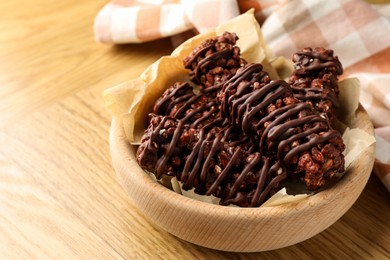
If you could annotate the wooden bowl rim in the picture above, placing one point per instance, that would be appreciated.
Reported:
(118, 138)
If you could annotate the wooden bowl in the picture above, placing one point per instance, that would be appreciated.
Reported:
(239, 229)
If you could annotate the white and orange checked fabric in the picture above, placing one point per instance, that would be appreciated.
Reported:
(358, 33)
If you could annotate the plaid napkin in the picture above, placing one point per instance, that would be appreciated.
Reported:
(358, 33)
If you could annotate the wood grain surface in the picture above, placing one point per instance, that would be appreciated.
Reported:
(59, 196)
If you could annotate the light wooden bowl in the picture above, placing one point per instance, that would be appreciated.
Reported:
(233, 228)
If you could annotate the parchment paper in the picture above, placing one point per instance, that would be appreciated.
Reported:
(131, 101)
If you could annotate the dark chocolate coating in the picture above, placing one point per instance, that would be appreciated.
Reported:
(315, 79)
(179, 101)
(284, 127)
(214, 61)
(208, 160)
(243, 133)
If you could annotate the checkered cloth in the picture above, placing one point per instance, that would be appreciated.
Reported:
(358, 33)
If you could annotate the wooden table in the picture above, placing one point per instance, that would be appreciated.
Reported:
(59, 196)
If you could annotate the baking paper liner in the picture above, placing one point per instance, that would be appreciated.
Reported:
(133, 100)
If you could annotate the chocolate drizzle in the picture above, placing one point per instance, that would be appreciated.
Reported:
(268, 94)
(214, 61)
(209, 161)
(236, 90)
(316, 95)
(315, 78)
(236, 156)
(249, 167)
(314, 140)
(174, 95)
(209, 61)
(283, 126)
(161, 163)
(243, 134)
(317, 59)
